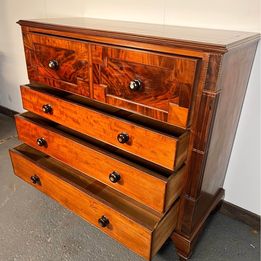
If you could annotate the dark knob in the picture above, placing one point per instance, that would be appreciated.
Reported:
(53, 64)
(47, 108)
(114, 177)
(41, 142)
(103, 221)
(35, 179)
(123, 137)
(135, 85)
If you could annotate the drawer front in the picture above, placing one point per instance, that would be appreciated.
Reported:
(58, 62)
(156, 147)
(128, 230)
(143, 185)
(156, 85)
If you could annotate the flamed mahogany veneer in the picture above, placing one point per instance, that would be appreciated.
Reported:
(144, 185)
(141, 141)
(131, 125)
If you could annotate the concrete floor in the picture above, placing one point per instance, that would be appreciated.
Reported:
(34, 227)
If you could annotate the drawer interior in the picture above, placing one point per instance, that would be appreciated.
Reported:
(98, 146)
(92, 187)
(106, 127)
(142, 230)
(134, 181)
(108, 109)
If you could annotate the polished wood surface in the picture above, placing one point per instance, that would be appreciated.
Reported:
(147, 187)
(129, 223)
(165, 81)
(182, 110)
(104, 73)
(186, 244)
(187, 37)
(211, 143)
(72, 72)
(143, 142)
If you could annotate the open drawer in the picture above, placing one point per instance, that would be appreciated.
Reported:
(168, 151)
(142, 230)
(157, 191)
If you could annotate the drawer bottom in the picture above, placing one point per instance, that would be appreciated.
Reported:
(132, 224)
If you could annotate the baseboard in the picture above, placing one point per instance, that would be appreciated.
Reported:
(7, 112)
(243, 215)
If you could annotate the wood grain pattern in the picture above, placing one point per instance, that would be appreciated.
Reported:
(164, 79)
(91, 201)
(175, 187)
(215, 140)
(145, 143)
(187, 38)
(228, 113)
(206, 104)
(140, 109)
(139, 183)
(163, 230)
(72, 73)
(185, 244)
(177, 115)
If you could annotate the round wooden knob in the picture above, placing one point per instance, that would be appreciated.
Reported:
(103, 221)
(114, 177)
(35, 179)
(47, 108)
(123, 137)
(135, 85)
(53, 64)
(41, 142)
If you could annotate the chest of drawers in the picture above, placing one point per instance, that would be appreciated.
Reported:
(131, 125)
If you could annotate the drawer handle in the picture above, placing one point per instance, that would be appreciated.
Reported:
(103, 221)
(41, 142)
(35, 179)
(123, 137)
(135, 85)
(47, 108)
(114, 177)
(53, 64)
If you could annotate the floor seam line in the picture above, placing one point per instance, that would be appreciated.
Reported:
(2, 141)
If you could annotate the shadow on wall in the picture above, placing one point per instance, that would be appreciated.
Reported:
(4, 82)
(12, 62)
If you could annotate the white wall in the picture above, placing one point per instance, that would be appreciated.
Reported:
(243, 177)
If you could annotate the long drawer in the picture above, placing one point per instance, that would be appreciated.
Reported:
(123, 219)
(160, 148)
(145, 186)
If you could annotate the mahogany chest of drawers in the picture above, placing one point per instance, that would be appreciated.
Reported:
(131, 125)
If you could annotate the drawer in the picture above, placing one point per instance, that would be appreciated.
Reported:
(123, 219)
(162, 149)
(149, 188)
(58, 62)
(156, 85)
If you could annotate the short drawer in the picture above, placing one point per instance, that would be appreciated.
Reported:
(162, 149)
(123, 219)
(149, 188)
(57, 62)
(153, 84)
